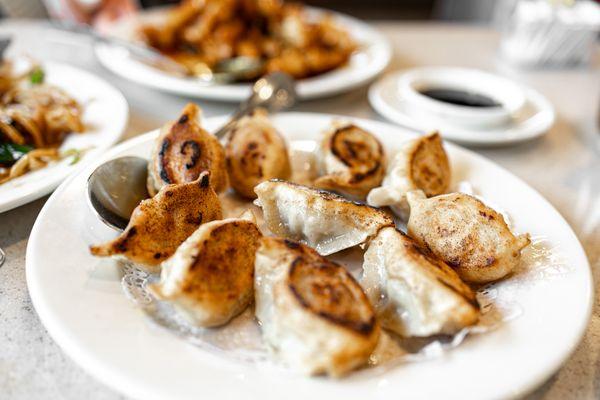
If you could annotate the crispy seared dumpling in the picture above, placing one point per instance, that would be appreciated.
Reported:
(184, 150)
(210, 278)
(465, 233)
(313, 314)
(323, 220)
(421, 164)
(160, 224)
(414, 292)
(255, 153)
(351, 161)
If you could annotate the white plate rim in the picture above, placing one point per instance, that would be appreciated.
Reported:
(120, 123)
(307, 89)
(111, 378)
(382, 106)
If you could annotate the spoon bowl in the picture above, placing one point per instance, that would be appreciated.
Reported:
(116, 188)
(238, 69)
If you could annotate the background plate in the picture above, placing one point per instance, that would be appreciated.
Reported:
(105, 114)
(534, 120)
(372, 57)
(80, 301)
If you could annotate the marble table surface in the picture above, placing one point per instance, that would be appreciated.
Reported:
(564, 166)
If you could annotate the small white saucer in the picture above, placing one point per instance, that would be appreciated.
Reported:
(533, 119)
(507, 94)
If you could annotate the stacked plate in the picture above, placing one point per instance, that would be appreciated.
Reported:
(466, 105)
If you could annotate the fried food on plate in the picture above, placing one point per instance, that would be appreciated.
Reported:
(35, 119)
(160, 224)
(351, 161)
(210, 278)
(202, 34)
(184, 150)
(313, 314)
(421, 164)
(468, 235)
(255, 153)
(415, 292)
(323, 220)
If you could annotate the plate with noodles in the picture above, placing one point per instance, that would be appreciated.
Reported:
(327, 52)
(53, 119)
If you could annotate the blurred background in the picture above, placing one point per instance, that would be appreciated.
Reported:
(460, 10)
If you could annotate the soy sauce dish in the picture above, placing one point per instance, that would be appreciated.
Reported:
(463, 97)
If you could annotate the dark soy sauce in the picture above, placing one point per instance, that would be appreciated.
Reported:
(460, 97)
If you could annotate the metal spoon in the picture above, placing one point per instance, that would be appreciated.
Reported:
(231, 70)
(116, 187)
(273, 92)
(140, 52)
(234, 69)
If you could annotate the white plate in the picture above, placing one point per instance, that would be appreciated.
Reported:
(80, 300)
(372, 58)
(534, 120)
(105, 114)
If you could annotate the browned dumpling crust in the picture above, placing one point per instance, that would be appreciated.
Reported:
(210, 278)
(313, 314)
(414, 292)
(351, 160)
(184, 150)
(160, 224)
(255, 153)
(468, 235)
(421, 164)
(429, 165)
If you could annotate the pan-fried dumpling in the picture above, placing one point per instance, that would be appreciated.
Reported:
(465, 233)
(325, 221)
(421, 164)
(255, 153)
(415, 293)
(160, 224)
(210, 278)
(351, 161)
(313, 314)
(184, 150)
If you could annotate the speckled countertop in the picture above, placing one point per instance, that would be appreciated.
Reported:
(32, 366)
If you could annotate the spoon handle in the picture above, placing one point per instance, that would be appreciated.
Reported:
(274, 92)
(245, 108)
(143, 53)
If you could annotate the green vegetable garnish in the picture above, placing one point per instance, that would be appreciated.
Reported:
(36, 77)
(11, 152)
(72, 152)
